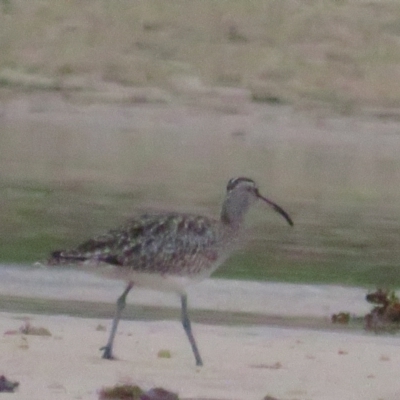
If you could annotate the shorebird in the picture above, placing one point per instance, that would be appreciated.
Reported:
(167, 251)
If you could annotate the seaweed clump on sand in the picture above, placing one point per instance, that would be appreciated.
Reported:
(134, 392)
(385, 315)
(123, 392)
(6, 385)
(341, 318)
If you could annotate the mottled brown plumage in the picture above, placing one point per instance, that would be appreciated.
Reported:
(177, 244)
(167, 251)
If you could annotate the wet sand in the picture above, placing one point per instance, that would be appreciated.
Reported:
(249, 359)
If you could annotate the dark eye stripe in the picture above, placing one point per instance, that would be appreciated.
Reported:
(235, 181)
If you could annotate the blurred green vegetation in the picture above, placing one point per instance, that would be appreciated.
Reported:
(36, 220)
(340, 176)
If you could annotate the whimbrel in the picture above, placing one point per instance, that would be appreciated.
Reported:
(168, 251)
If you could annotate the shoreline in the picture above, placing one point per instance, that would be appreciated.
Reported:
(93, 310)
(221, 295)
(256, 339)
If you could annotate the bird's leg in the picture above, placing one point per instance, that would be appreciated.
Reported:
(188, 329)
(121, 303)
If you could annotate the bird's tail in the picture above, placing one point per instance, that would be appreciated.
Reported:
(63, 257)
(74, 257)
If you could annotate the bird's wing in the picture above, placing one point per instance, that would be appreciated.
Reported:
(152, 243)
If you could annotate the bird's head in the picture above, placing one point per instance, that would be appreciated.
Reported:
(241, 193)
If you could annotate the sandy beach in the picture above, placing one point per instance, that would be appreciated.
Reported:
(106, 109)
(241, 361)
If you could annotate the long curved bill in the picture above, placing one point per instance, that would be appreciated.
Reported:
(278, 209)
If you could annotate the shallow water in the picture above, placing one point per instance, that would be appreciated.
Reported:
(33, 289)
(68, 172)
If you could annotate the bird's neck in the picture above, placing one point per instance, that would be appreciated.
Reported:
(233, 211)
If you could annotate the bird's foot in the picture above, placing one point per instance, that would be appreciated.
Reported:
(107, 353)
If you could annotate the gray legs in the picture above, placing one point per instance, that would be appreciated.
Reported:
(188, 329)
(121, 303)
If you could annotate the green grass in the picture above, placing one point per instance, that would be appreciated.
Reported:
(40, 220)
(260, 266)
